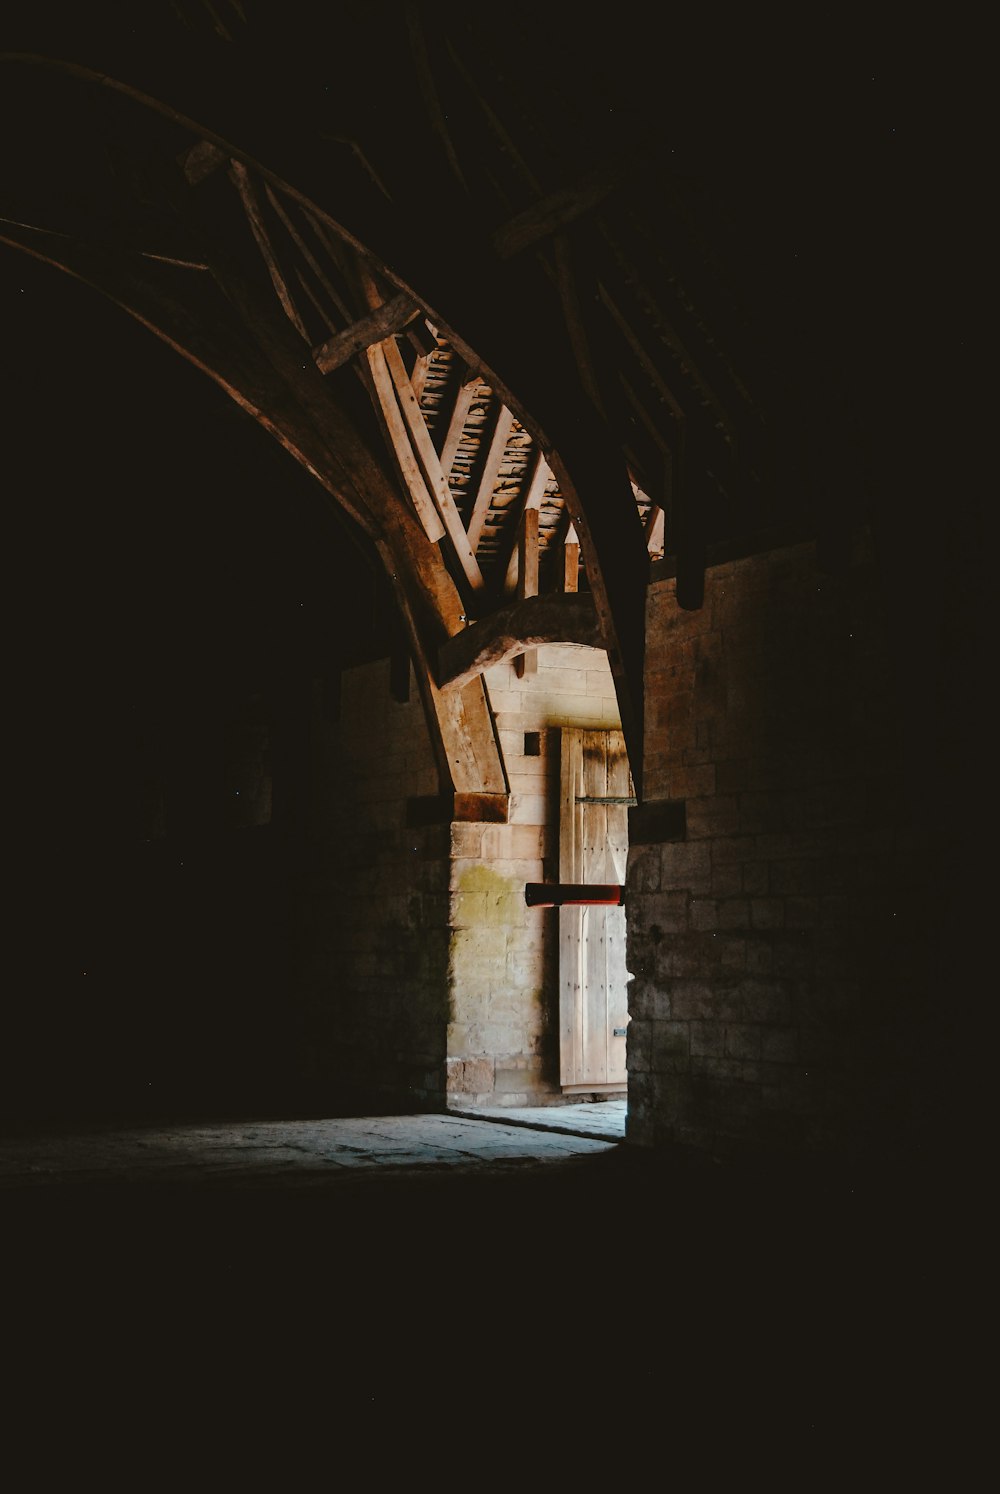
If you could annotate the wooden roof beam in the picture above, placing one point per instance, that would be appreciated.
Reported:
(505, 634)
(339, 190)
(543, 219)
(240, 177)
(531, 498)
(456, 423)
(413, 439)
(643, 358)
(571, 561)
(465, 741)
(418, 373)
(670, 336)
(569, 297)
(491, 469)
(436, 482)
(298, 239)
(200, 160)
(392, 316)
(526, 661)
(429, 93)
(274, 389)
(423, 502)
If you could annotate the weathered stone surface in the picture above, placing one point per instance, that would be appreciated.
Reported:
(503, 961)
(470, 1075)
(799, 905)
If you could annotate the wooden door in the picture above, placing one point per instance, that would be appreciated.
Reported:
(595, 791)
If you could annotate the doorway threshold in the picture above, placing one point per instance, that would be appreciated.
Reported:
(600, 1120)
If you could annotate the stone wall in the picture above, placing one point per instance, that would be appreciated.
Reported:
(503, 968)
(421, 971)
(372, 913)
(779, 938)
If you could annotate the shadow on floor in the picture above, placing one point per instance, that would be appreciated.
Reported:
(469, 1290)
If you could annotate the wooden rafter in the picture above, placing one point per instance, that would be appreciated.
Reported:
(411, 438)
(573, 316)
(491, 468)
(422, 337)
(531, 498)
(527, 554)
(240, 177)
(497, 128)
(680, 290)
(183, 315)
(436, 482)
(465, 742)
(309, 291)
(672, 490)
(668, 333)
(429, 93)
(390, 317)
(395, 426)
(297, 238)
(456, 423)
(335, 454)
(418, 374)
(655, 520)
(345, 195)
(343, 253)
(526, 661)
(201, 160)
(643, 358)
(650, 425)
(571, 561)
(543, 219)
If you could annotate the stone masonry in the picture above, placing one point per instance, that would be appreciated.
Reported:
(781, 994)
(423, 971)
(373, 915)
(503, 968)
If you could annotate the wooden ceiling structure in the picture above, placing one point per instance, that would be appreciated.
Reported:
(446, 256)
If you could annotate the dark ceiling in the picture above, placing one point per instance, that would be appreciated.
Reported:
(705, 287)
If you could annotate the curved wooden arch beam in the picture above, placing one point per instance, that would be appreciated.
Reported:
(182, 308)
(514, 331)
(528, 623)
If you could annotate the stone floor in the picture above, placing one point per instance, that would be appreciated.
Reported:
(601, 1120)
(306, 1152)
(392, 1300)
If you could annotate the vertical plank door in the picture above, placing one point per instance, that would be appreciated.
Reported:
(595, 787)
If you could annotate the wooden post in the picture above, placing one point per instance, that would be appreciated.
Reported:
(527, 580)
